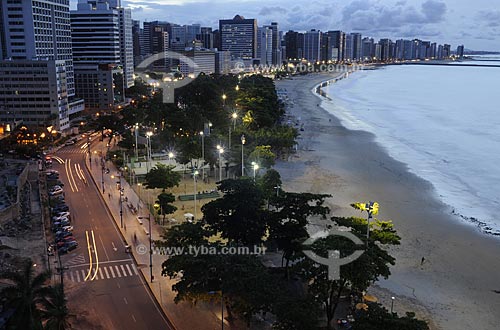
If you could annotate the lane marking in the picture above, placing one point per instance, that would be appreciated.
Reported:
(67, 174)
(112, 272)
(135, 269)
(133, 318)
(123, 270)
(129, 271)
(102, 263)
(100, 274)
(77, 276)
(104, 248)
(125, 299)
(106, 271)
(114, 247)
(117, 270)
(83, 274)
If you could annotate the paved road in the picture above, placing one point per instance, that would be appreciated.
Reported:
(120, 296)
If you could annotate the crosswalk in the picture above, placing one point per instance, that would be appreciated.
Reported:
(77, 260)
(72, 150)
(104, 272)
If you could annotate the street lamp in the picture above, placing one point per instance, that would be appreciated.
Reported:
(203, 154)
(392, 304)
(255, 168)
(148, 141)
(195, 173)
(150, 247)
(120, 198)
(243, 140)
(221, 151)
(224, 97)
(372, 209)
(234, 116)
(136, 131)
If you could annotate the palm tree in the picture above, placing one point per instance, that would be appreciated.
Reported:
(23, 295)
(54, 310)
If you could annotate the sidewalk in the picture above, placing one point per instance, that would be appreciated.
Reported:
(183, 315)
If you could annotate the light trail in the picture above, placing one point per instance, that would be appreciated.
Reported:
(96, 257)
(90, 256)
(68, 170)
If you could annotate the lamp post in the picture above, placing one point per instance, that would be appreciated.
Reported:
(224, 97)
(243, 140)
(233, 118)
(136, 131)
(392, 304)
(203, 154)
(148, 157)
(255, 168)
(102, 174)
(221, 151)
(372, 209)
(195, 173)
(120, 198)
(150, 247)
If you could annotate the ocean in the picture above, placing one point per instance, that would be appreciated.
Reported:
(442, 121)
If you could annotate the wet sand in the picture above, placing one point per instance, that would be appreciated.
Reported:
(455, 287)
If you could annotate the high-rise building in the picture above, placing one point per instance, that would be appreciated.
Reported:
(35, 47)
(367, 49)
(349, 50)
(446, 51)
(356, 46)
(312, 45)
(265, 45)
(239, 36)
(460, 51)
(204, 60)
(338, 44)
(206, 36)
(276, 43)
(101, 32)
(294, 43)
(137, 36)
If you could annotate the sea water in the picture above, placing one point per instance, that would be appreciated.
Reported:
(442, 121)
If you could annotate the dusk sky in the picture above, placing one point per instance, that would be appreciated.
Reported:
(473, 23)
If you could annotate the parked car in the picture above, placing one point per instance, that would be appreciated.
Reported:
(64, 239)
(67, 248)
(61, 208)
(61, 223)
(62, 214)
(56, 192)
(69, 143)
(60, 218)
(68, 228)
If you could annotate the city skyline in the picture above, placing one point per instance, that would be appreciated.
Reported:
(457, 22)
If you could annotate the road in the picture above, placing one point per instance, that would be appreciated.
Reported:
(119, 296)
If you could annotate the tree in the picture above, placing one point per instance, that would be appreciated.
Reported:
(54, 310)
(239, 215)
(163, 177)
(288, 224)
(263, 156)
(356, 276)
(295, 313)
(165, 201)
(24, 293)
(376, 317)
(270, 183)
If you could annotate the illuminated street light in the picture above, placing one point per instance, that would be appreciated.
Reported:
(243, 141)
(221, 151)
(195, 173)
(255, 168)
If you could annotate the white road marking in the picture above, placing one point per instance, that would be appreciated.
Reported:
(106, 271)
(125, 299)
(77, 276)
(133, 318)
(117, 271)
(129, 271)
(123, 270)
(100, 274)
(112, 272)
(135, 269)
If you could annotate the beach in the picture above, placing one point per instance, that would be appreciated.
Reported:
(455, 286)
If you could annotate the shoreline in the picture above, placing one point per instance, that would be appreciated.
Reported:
(485, 227)
(455, 287)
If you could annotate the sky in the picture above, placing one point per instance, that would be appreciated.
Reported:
(474, 23)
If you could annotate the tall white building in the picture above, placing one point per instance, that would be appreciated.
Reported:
(102, 40)
(265, 45)
(101, 32)
(312, 49)
(35, 36)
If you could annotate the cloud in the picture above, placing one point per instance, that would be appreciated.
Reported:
(269, 11)
(373, 16)
(489, 17)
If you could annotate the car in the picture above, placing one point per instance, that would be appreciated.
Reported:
(55, 187)
(62, 239)
(61, 208)
(62, 214)
(60, 219)
(62, 235)
(61, 224)
(71, 243)
(63, 243)
(56, 192)
(66, 248)
(68, 228)
(49, 172)
(69, 143)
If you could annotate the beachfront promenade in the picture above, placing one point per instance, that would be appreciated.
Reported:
(182, 315)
